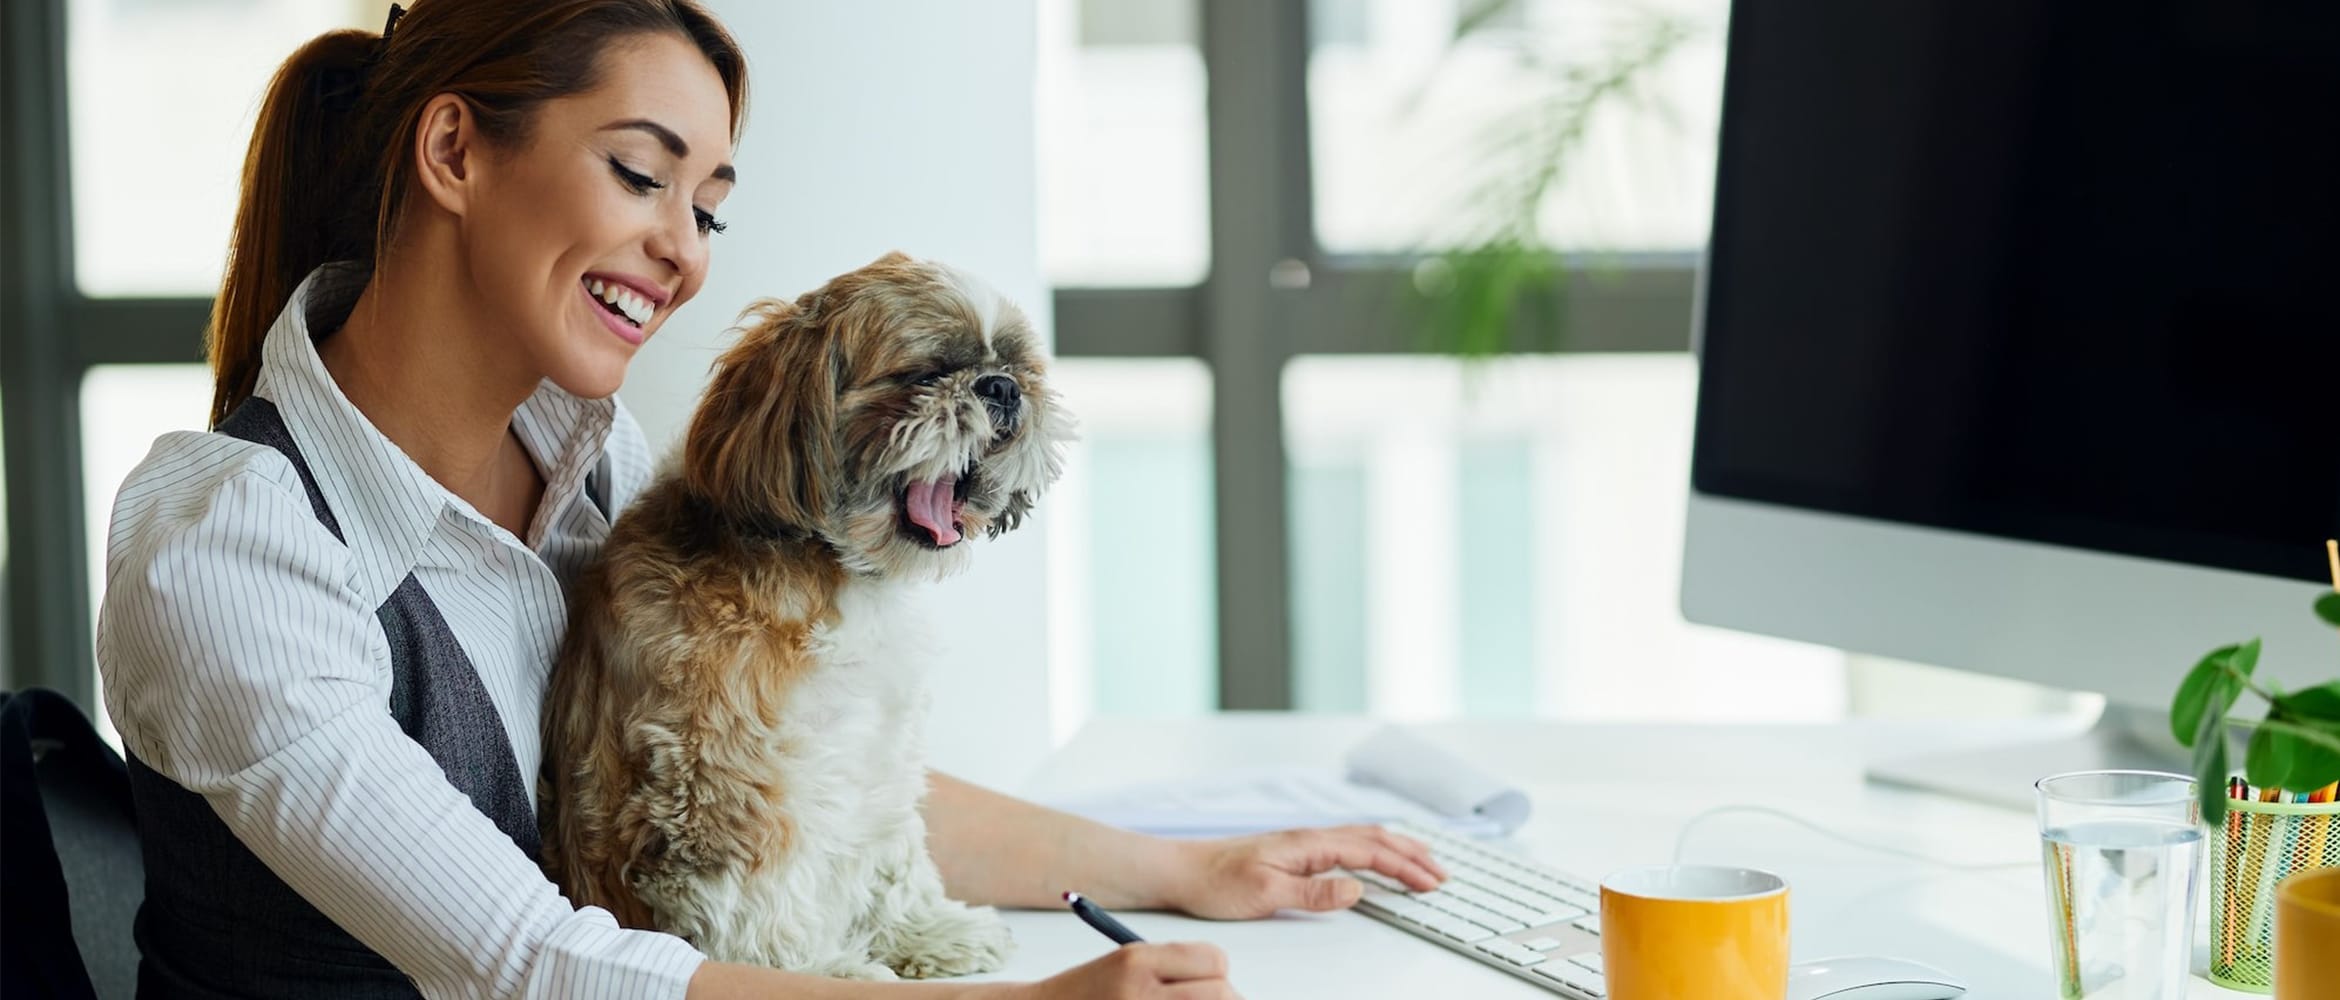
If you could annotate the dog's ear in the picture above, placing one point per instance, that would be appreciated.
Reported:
(762, 446)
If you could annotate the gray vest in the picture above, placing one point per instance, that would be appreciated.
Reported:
(216, 921)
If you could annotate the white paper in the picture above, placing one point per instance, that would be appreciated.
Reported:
(1449, 786)
(1390, 778)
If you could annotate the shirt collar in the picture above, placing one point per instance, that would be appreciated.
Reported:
(387, 505)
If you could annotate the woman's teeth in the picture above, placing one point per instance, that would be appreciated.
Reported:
(634, 307)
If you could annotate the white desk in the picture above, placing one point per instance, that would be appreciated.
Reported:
(1609, 796)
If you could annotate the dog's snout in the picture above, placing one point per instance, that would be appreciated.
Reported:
(999, 391)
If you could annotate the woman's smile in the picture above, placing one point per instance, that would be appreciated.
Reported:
(619, 307)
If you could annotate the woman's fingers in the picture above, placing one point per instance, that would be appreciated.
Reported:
(1366, 848)
(1180, 961)
(1415, 850)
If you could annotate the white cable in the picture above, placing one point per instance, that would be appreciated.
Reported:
(1682, 839)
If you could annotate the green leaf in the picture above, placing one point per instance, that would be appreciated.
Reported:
(2328, 608)
(2321, 702)
(2209, 743)
(2313, 765)
(1477, 15)
(2205, 686)
(2245, 659)
(2270, 760)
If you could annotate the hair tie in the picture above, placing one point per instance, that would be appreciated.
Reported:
(338, 88)
(389, 24)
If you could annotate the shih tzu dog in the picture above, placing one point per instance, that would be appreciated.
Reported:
(733, 748)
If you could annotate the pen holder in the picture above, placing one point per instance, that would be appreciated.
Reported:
(2263, 843)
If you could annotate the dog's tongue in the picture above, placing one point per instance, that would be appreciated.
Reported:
(933, 506)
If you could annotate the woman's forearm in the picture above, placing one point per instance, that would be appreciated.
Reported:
(1003, 851)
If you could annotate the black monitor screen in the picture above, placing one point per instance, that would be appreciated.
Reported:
(2063, 272)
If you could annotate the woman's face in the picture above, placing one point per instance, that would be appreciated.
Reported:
(613, 195)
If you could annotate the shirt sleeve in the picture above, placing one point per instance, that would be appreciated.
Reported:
(238, 663)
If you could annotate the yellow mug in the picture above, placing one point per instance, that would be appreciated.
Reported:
(1694, 932)
(2307, 933)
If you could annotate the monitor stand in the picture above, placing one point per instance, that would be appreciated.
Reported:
(2124, 738)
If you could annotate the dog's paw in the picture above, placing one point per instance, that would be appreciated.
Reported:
(955, 942)
(850, 969)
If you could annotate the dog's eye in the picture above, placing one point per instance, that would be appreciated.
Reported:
(928, 379)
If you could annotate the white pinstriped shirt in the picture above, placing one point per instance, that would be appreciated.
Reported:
(243, 659)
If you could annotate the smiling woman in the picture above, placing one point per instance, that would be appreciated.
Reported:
(615, 186)
(326, 626)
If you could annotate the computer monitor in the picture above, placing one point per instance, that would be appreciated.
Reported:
(2020, 337)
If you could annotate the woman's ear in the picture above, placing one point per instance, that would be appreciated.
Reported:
(445, 157)
(762, 446)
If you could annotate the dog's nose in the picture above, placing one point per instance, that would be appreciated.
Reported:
(999, 391)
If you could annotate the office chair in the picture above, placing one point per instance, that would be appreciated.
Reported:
(72, 869)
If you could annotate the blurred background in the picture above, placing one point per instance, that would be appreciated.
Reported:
(1377, 315)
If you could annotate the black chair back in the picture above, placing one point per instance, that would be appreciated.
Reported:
(72, 870)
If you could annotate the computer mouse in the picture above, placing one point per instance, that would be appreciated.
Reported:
(1869, 977)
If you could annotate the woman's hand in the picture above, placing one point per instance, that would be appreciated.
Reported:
(1144, 971)
(1243, 878)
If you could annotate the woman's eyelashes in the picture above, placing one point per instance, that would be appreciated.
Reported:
(643, 184)
(637, 183)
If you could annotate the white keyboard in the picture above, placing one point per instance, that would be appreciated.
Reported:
(1518, 916)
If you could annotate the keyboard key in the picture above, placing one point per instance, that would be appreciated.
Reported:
(1574, 977)
(1561, 915)
(1501, 889)
(1455, 927)
(1508, 951)
(1540, 944)
(1394, 904)
(1495, 923)
(1590, 960)
(1589, 924)
(1483, 898)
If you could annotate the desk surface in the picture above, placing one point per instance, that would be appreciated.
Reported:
(1608, 796)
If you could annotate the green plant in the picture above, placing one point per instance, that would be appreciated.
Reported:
(1493, 261)
(2297, 746)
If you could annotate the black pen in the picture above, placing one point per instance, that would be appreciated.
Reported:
(1095, 916)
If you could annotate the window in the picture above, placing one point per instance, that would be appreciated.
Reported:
(163, 98)
(1421, 139)
(1132, 567)
(1123, 168)
(1506, 540)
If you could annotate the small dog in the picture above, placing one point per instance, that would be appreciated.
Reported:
(733, 748)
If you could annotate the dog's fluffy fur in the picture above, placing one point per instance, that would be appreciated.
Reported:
(732, 737)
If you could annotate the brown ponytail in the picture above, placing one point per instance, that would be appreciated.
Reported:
(328, 170)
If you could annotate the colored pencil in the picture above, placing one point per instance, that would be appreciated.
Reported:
(2230, 929)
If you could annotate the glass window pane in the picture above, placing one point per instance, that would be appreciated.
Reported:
(1132, 568)
(1509, 543)
(1123, 184)
(1421, 140)
(123, 409)
(162, 100)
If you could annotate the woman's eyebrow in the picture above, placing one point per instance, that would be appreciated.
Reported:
(674, 143)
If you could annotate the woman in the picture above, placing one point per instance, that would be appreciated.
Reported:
(328, 622)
